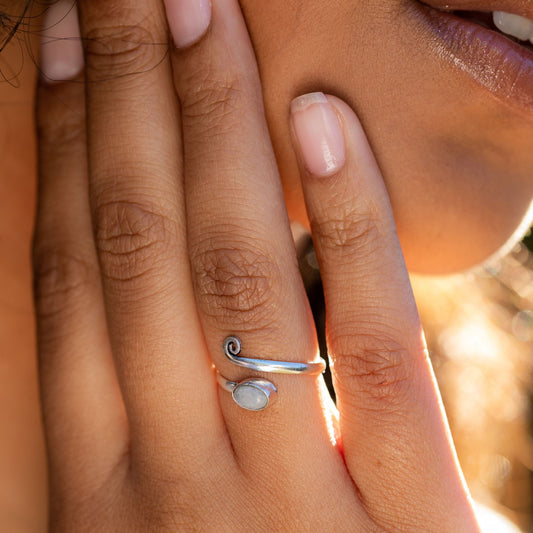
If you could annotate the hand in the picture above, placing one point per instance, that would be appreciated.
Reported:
(191, 244)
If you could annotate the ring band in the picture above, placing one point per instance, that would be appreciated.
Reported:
(232, 349)
(255, 394)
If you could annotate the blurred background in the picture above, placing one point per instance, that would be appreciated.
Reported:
(479, 328)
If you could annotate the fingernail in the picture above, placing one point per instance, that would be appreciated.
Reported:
(188, 20)
(318, 133)
(61, 49)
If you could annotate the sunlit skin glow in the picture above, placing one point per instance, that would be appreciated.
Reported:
(492, 522)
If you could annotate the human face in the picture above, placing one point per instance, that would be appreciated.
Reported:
(452, 131)
(448, 113)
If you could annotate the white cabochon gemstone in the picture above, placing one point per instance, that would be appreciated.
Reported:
(251, 397)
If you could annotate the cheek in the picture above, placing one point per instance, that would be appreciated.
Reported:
(18, 164)
(456, 164)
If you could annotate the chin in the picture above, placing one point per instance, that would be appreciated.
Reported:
(440, 241)
(452, 223)
(455, 254)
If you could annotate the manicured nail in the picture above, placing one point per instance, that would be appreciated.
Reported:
(61, 49)
(319, 134)
(188, 20)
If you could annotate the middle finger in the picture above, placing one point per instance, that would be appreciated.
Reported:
(242, 254)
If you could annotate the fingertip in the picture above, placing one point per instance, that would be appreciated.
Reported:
(61, 48)
(318, 135)
(349, 119)
(188, 20)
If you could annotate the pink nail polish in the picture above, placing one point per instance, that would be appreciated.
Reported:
(188, 20)
(319, 134)
(61, 49)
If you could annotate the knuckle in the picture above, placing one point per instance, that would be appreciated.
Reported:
(214, 95)
(131, 239)
(349, 233)
(236, 286)
(373, 369)
(62, 279)
(60, 129)
(121, 49)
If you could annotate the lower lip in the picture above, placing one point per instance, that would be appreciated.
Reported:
(500, 65)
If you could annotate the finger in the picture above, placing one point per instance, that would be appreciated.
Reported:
(394, 432)
(83, 411)
(242, 254)
(138, 214)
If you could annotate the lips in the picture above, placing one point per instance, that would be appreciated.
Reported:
(523, 8)
(495, 61)
(487, 21)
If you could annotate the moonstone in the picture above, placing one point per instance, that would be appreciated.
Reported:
(250, 397)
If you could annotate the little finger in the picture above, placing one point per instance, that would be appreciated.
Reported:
(81, 401)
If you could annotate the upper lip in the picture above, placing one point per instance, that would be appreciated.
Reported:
(523, 8)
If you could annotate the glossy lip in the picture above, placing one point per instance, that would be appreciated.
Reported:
(497, 63)
(517, 7)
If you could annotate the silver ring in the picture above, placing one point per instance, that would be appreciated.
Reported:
(253, 394)
(232, 349)
(256, 394)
